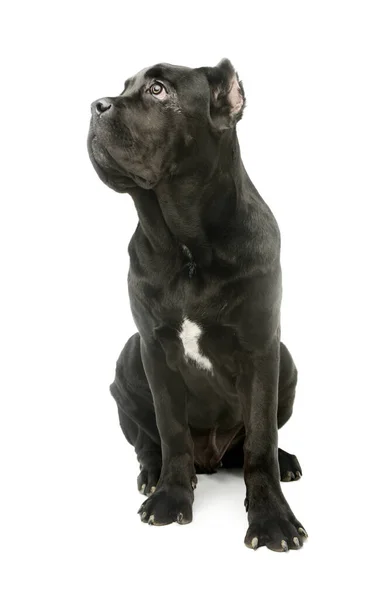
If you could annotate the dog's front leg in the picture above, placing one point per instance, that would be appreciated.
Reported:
(173, 497)
(271, 521)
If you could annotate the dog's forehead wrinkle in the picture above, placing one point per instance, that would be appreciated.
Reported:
(136, 81)
(171, 73)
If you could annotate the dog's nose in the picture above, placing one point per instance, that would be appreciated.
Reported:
(102, 106)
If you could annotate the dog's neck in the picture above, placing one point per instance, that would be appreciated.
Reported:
(195, 208)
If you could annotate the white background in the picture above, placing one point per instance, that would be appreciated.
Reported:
(316, 140)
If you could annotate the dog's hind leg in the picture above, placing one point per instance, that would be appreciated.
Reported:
(131, 391)
(289, 466)
(147, 451)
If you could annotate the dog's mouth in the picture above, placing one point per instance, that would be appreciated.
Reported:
(108, 168)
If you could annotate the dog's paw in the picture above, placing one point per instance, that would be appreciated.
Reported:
(168, 504)
(280, 534)
(290, 469)
(147, 479)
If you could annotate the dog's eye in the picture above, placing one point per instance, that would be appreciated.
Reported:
(158, 90)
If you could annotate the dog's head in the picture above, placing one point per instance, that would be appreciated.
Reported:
(167, 119)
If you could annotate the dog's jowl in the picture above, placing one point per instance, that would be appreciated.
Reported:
(206, 381)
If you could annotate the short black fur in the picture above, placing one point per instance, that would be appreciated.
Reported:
(206, 381)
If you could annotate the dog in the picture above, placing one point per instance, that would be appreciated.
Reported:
(206, 382)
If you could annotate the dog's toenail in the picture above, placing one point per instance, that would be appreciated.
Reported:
(180, 518)
(143, 515)
(284, 545)
(302, 532)
(143, 488)
(254, 543)
(296, 542)
(151, 520)
(298, 475)
(152, 490)
(193, 485)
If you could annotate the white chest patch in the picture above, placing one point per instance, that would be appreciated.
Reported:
(189, 336)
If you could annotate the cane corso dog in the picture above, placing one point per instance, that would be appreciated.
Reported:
(206, 381)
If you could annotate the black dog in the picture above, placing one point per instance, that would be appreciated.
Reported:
(206, 382)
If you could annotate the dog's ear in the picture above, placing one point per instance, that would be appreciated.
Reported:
(227, 100)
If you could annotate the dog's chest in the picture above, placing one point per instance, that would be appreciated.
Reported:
(190, 264)
(194, 334)
(200, 346)
(187, 309)
(189, 335)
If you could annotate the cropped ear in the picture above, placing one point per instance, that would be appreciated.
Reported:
(227, 100)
